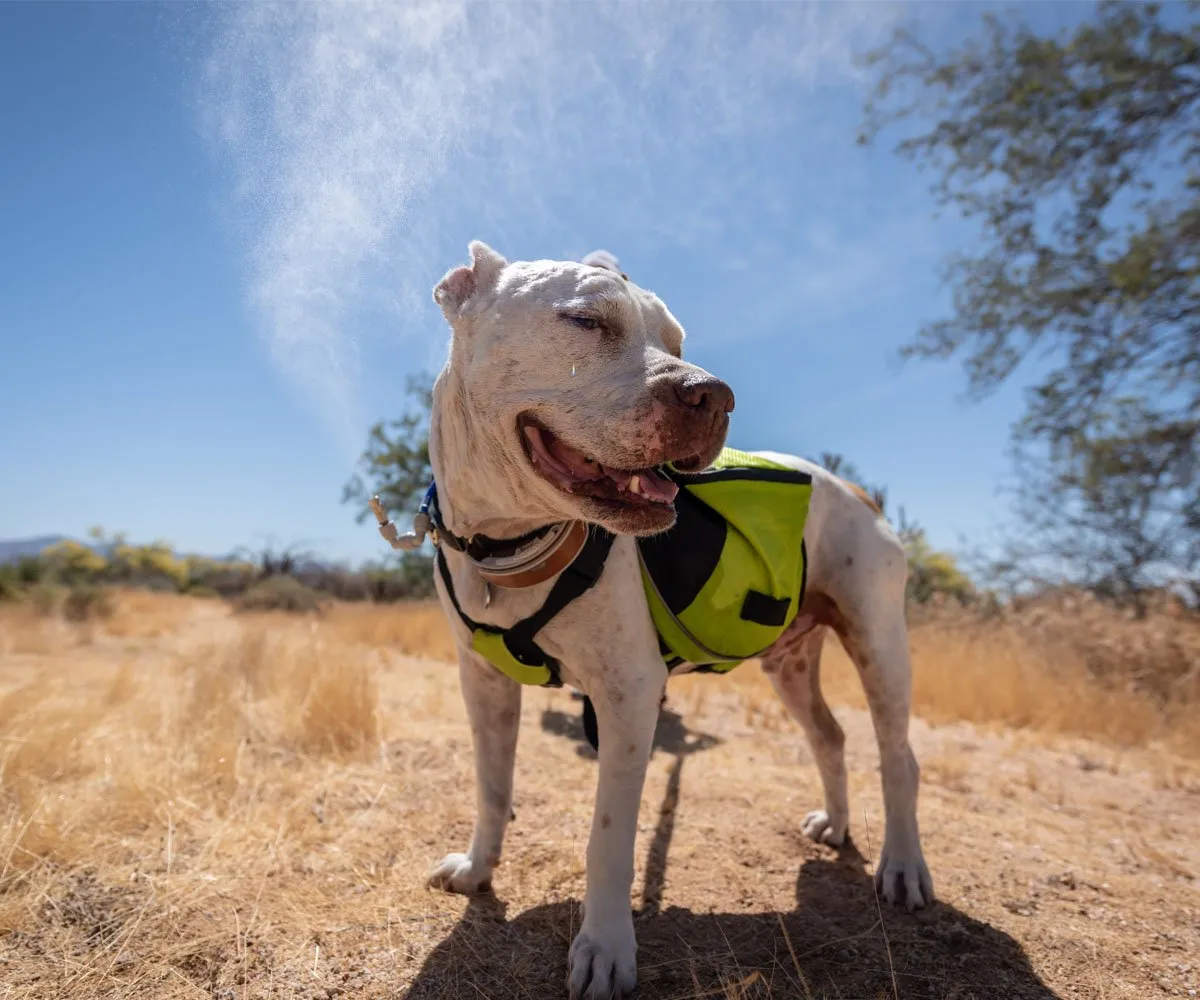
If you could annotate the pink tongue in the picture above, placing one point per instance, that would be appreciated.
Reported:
(575, 460)
(658, 488)
(575, 463)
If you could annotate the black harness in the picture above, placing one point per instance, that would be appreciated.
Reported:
(477, 546)
(579, 578)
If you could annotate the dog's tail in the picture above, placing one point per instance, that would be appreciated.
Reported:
(602, 258)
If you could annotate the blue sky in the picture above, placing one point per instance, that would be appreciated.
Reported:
(221, 225)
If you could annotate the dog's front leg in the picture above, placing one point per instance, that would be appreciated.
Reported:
(603, 959)
(494, 709)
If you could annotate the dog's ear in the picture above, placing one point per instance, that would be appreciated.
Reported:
(462, 284)
(602, 258)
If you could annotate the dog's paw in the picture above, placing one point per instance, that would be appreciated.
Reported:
(902, 877)
(824, 829)
(458, 873)
(603, 964)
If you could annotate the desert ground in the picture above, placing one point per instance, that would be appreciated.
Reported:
(199, 803)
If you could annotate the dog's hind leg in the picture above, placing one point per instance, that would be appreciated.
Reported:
(794, 667)
(872, 629)
(494, 709)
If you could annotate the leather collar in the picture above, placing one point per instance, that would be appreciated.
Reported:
(490, 555)
(549, 562)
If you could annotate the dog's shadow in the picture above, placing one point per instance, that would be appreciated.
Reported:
(831, 946)
(670, 735)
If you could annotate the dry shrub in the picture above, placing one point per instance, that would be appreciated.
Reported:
(85, 603)
(1001, 672)
(996, 675)
(1066, 664)
(412, 628)
(53, 617)
(281, 593)
(1158, 654)
(47, 599)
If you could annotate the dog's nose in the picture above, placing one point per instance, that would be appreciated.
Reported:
(705, 392)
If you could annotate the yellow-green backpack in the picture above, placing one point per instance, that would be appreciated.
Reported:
(723, 584)
(727, 580)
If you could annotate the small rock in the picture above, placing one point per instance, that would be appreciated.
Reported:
(1067, 879)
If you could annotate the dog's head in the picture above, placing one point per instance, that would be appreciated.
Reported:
(575, 376)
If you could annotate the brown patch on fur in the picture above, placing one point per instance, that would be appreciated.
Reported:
(862, 495)
(605, 821)
(798, 656)
(679, 433)
(824, 611)
(817, 612)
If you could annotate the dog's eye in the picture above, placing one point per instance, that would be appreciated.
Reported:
(583, 322)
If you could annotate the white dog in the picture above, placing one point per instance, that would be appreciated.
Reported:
(564, 398)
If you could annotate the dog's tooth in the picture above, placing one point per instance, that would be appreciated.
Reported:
(635, 484)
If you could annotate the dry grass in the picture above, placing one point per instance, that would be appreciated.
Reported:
(117, 777)
(1041, 670)
(994, 675)
(417, 628)
(197, 804)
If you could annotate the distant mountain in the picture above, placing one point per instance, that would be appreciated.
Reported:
(12, 551)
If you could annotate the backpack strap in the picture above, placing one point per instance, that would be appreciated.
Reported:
(572, 582)
(471, 624)
(575, 580)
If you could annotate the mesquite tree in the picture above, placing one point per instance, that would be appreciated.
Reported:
(1078, 158)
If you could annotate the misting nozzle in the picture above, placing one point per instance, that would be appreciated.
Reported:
(409, 540)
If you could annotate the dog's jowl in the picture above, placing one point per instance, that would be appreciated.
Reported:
(594, 531)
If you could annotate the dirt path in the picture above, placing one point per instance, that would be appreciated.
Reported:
(1061, 872)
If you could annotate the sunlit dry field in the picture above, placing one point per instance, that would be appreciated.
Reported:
(200, 804)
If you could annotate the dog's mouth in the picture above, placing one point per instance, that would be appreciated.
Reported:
(578, 473)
